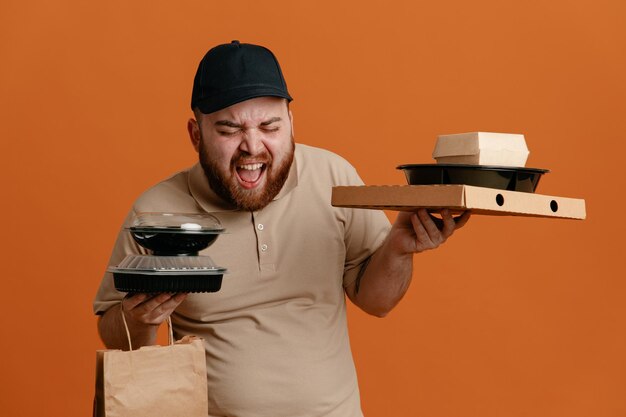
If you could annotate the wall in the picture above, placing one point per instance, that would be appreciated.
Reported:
(512, 317)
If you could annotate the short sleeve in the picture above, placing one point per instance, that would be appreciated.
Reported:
(365, 231)
(107, 296)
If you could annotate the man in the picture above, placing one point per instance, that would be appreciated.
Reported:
(275, 334)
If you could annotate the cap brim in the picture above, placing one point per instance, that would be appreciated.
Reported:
(228, 98)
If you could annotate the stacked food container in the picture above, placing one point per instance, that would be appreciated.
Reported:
(483, 159)
(174, 265)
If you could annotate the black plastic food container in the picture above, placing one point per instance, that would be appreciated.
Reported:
(164, 241)
(174, 265)
(502, 178)
(154, 274)
(167, 234)
(159, 283)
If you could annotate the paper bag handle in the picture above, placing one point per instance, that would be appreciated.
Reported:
(170, 332)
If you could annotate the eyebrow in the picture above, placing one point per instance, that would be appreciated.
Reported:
(227, 123)
(270, 121)
(232, 124)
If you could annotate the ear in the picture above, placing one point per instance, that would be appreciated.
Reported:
(293, 133)
(194, 133)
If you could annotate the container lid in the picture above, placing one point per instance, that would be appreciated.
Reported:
(168, 265)
(176, 223)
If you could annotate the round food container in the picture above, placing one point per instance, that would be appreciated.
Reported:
(502, 178)
(157, 274)
(168, 234)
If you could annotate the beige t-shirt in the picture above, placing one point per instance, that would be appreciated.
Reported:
(275, 334)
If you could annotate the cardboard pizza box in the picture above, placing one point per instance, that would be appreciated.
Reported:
(458, 198)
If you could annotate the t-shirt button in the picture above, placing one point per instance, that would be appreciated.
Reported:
(260, 226)
(263, 247)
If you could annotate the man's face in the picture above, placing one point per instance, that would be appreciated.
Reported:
(246, 150)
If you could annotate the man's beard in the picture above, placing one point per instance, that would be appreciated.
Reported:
(228, 188)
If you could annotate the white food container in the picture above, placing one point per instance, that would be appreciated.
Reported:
(482, 148)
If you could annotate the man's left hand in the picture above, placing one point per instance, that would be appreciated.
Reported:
(420, 231)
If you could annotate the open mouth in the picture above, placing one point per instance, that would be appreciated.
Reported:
(250, 175)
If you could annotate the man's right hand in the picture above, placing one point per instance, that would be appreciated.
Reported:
(144, 313)
(150, 309)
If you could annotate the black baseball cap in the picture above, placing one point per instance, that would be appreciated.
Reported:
(235, 72)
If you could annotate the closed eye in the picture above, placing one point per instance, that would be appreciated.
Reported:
(228, 132)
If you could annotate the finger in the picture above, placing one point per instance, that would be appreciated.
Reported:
(404, 218)
(423, 240)
(459, 219)
(152, 303)
(163, 311)
(133, 300)
(438, 222)
(180, 297)
(431, 228)
(448, 224)
(462, 220)
(173, 302)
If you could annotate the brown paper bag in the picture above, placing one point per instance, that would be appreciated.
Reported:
(166, 381)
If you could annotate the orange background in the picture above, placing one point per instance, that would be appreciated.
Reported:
(512, 317)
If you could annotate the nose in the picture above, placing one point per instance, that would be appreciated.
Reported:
(252, 142)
